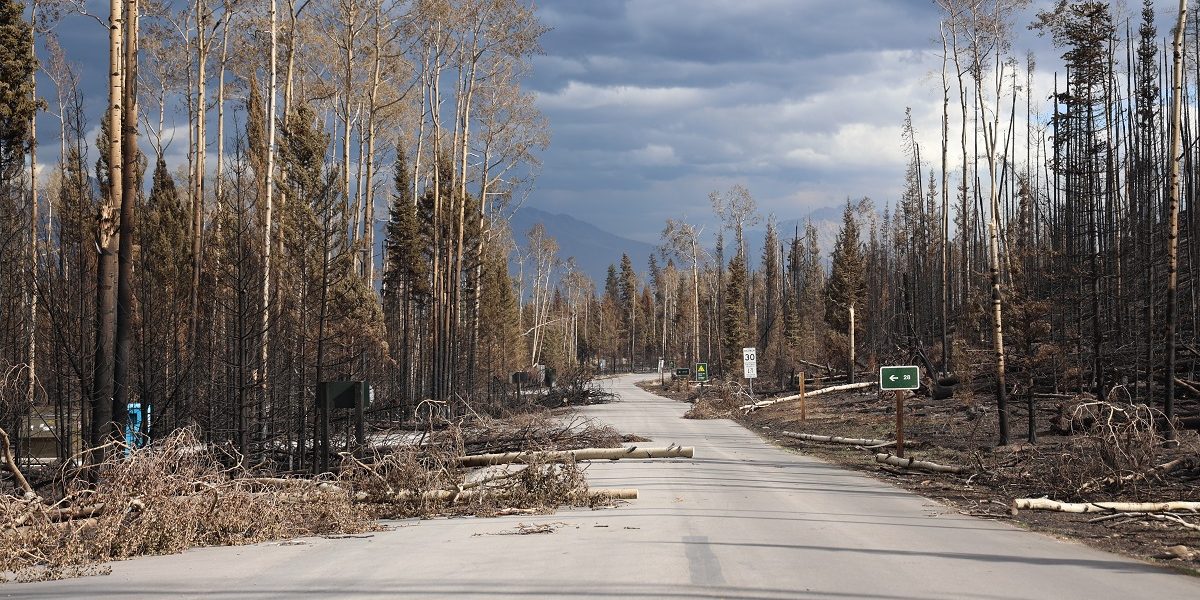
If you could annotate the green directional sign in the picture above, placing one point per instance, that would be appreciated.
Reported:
(899, 378)
(701, 372)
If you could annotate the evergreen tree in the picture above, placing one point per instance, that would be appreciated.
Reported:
(771, 325)
(17, 105)
(628, 289)
(847, 280)
(733, 317)
(164, 276)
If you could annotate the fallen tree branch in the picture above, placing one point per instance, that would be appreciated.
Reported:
(912, 463)
(825, 390)
(1184, 462)
(1097, 507)
(483, 460)
(322, 486)
(1173, 518)
(467, 494)
(833, 439)
(7, 455)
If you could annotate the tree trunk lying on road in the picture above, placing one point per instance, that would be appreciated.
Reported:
(833, 439)
(483, 460)
(455, 495)
(826, 390)
(912, 463)
(1095, 507)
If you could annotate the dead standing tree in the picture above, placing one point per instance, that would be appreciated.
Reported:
(1173, 213)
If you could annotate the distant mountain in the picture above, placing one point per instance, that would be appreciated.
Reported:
(594, 249)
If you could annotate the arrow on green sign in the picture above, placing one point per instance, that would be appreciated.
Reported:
(899, 378)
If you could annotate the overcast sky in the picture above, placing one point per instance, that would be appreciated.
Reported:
(655, 103)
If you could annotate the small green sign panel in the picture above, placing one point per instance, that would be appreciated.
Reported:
(701, 371)
(684, 372)
(899, 378)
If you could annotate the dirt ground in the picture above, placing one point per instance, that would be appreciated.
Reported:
(1085, 467)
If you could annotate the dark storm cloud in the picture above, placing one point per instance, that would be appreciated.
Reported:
(654, 103)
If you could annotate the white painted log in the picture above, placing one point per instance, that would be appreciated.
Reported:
(912, 463)
(825, 390)
(1097, 507)
(483, 460)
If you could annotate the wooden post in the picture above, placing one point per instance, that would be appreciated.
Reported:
(900, 423)
(803, 407)
(360, 419)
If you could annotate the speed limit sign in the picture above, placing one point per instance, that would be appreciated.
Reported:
(750, 362)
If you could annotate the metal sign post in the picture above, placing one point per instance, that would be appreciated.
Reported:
(899, 379)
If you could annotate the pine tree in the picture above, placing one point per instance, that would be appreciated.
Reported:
(847, 283)
(628, 294)
(733, 317)
(771, 326)
(17, 105)
(846, 287)
(164, 276)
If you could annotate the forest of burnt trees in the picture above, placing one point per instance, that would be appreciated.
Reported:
(1042, 248)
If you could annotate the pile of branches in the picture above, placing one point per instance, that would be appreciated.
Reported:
(719, 400)
(409, 483)
(1116, 448)
(576, 387)
(173, 495)
(535, 431)
(179, 493)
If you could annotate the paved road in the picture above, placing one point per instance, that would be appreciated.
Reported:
(741, 520)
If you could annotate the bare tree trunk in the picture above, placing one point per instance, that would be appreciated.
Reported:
(196, 136)
(851, 378)
(106, 269)
(945, 241)
(695, 301)
(129, 192)
(990, 131)
(31, 341)
(265, 306)
(1173, 215)
(221, 108)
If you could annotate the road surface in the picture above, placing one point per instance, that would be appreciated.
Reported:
(741, 520)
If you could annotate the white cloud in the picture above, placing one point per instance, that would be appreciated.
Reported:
(583, 96)
(655, 155)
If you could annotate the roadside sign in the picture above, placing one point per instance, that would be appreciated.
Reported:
(899, 378)
(702, 372)
(684, 372)
(750, 362)
(660, 365)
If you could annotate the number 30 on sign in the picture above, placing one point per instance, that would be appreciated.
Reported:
(750, 363)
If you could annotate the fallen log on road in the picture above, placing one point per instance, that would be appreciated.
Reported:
(483, 460)
(1096, 507)
(833, 439)
(826, 390)
(912, 463)
(456, 495)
